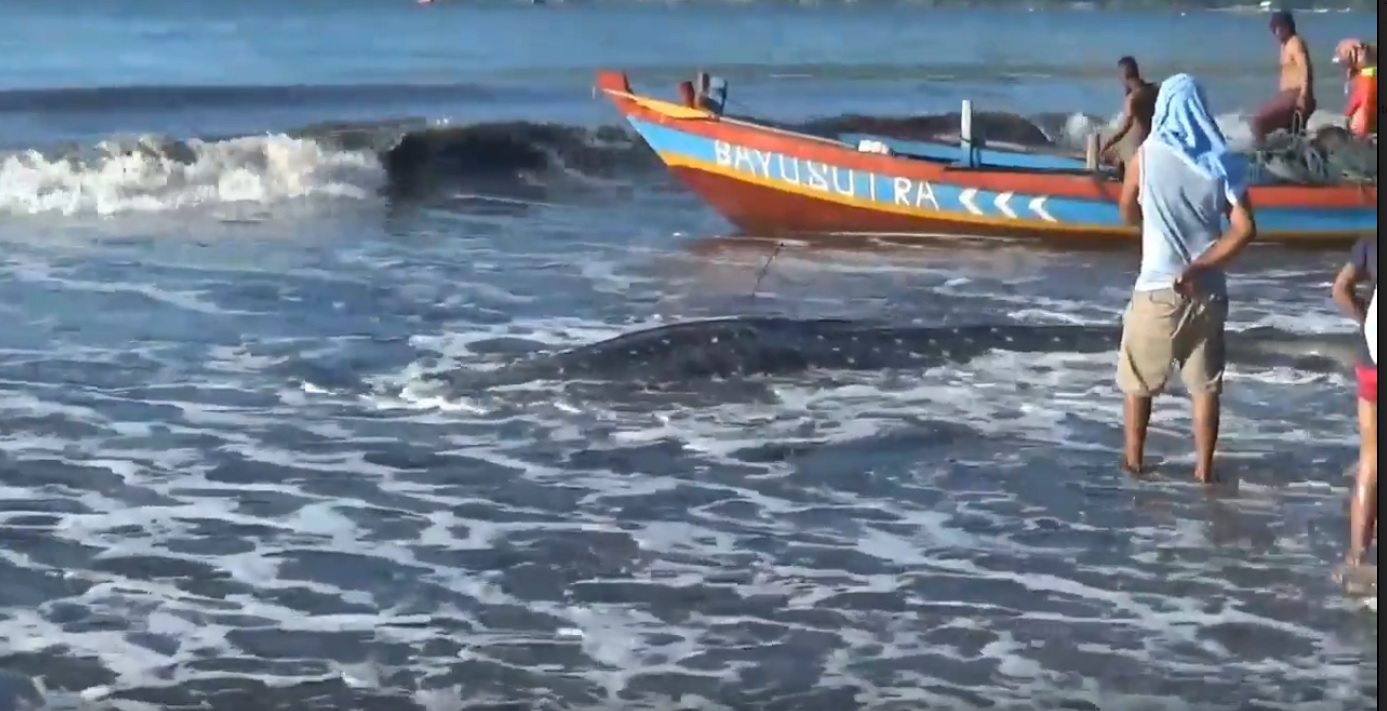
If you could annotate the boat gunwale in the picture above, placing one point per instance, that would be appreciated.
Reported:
(1061, 183)
(1034, 181)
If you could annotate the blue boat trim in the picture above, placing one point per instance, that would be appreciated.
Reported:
(895, 193)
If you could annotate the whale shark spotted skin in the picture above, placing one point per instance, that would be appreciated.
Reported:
(748, 346)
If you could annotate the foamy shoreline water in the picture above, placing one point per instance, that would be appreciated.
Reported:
(226, 479)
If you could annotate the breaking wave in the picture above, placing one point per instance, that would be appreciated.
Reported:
(406, 159)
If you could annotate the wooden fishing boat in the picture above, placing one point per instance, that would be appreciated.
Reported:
(771, 180)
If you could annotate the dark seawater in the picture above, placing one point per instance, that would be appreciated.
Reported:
(243, 243)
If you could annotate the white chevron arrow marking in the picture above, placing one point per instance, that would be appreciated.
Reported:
(1003, 207)
(1037, 206)
(966, 197)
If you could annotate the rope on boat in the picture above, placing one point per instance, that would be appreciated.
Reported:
(1296, 159)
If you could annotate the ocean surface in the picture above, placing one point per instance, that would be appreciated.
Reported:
(235, 238)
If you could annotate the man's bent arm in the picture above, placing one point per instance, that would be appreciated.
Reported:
(1242, 229)
(1345, 295)
(1123, 126)
(1356, 101)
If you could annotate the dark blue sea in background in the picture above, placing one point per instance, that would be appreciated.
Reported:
(235, 238)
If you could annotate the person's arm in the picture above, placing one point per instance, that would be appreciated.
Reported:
(1350, 275)
(1123, 127)
(1242, 229)
(1129, 202)
(1344, 294)
(1356, 100)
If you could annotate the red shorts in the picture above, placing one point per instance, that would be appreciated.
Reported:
(1367, 382)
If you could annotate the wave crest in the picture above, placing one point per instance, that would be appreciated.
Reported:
(407, 160)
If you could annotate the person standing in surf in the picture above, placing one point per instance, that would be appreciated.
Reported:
(1135, 124)
(1362, 269)
(1295, 96)
(1180, 185)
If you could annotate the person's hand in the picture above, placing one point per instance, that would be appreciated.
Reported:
(1302, 102)
(1184, 284)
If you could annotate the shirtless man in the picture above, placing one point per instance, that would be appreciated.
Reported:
(1295, 97)
(1137, 108)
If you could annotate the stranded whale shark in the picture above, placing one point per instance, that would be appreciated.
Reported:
(747, 346)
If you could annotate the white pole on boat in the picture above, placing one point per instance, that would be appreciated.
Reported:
(965, 131)
(1091, 151)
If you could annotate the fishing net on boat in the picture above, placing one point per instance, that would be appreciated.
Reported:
(1330, 157)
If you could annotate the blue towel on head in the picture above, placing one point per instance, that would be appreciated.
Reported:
(1183, 122)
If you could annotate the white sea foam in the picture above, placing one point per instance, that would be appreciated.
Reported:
(225, 493)
(121, 178)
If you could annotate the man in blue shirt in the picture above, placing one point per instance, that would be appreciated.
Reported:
(1182, 184)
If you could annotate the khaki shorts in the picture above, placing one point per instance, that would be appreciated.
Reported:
(1160, 328)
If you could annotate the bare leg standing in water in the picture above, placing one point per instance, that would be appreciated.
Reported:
(1363, 507)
